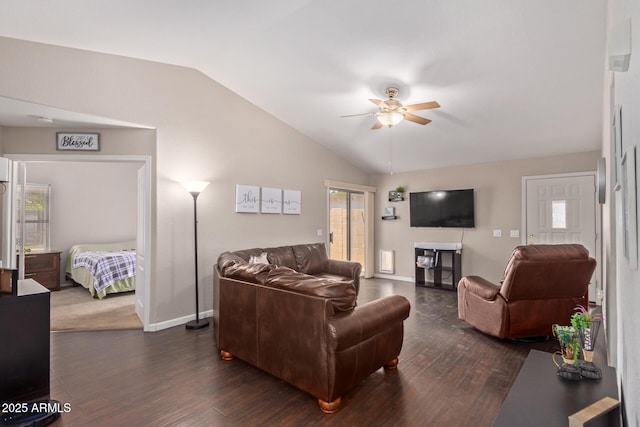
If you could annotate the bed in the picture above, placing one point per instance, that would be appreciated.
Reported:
(103, 268)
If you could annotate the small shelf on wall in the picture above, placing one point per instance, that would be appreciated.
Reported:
(396, 196)
(389, 213)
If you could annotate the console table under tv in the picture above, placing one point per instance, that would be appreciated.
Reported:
(438, 265)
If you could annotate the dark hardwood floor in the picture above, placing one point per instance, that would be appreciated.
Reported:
(449, 375)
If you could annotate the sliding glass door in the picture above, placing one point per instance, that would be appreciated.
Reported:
(347, 225)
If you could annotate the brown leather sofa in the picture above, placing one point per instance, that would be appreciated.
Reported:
(542, 285)
(296, 318)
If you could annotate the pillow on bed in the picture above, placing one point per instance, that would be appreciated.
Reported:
(262, 259)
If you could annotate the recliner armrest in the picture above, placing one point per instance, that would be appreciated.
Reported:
(365, 321)
(480, 287)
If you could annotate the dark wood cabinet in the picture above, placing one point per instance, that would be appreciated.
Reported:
(44, 268)
(438, 265)
(539, 397)
(24, 334)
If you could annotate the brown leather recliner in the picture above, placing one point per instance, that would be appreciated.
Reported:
(542, 285)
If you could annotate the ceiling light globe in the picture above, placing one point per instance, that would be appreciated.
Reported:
(390, 119)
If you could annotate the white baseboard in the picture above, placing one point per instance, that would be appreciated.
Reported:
(154, 327)
(393, 277)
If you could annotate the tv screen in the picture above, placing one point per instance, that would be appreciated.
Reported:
(451, 208)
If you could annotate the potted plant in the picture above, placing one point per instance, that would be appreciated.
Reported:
(587, 323)
(569, 343)
(397, 195)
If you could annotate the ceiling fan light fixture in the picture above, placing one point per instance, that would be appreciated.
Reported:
(390, 119)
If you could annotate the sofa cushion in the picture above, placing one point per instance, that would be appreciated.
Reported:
(228, 259)
(254, 273)
(342, 293)
(310, 259)
(244, 255)
(282, 256)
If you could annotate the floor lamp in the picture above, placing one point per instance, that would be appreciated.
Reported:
(195, 188)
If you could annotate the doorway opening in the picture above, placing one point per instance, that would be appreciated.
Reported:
(143, 216)
(347, 230)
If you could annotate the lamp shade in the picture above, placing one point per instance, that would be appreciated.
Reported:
(195, 186)
(390, 119)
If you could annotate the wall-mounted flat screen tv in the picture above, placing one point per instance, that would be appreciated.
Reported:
(450, 208)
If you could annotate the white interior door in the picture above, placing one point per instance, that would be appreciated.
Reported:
(562, 209)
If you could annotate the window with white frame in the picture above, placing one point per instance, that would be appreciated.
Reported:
(36, 216)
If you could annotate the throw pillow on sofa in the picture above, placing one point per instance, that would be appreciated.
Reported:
(260, 259)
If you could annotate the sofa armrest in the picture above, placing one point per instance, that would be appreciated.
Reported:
(350, 269)
(349, 329)
(480, 287)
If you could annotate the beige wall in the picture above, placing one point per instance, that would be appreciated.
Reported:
(22, 140)
(623, 274)
(203, 131)
(498, 188)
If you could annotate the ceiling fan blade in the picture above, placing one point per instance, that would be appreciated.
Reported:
(422, 106)
(416, 119)
(361, 114)
(376, 125)
(380, 103)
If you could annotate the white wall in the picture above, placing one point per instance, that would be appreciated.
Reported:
(498, 204)
(623, 287)
(204, 132)
(90, 202)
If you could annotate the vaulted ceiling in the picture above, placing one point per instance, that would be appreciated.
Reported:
(514, 78)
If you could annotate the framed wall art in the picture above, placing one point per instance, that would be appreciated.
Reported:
(247, 198)
(291, 202)
(616, 140)
(271, 200)
(77, 141)
(629, 207)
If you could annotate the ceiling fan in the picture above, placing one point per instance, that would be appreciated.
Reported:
(393, 112)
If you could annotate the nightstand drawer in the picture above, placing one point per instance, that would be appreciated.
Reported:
(41, 262)
(44, 268)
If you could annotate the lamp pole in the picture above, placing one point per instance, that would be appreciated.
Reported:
(195, 189)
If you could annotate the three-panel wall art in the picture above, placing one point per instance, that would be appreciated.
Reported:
(253, 199)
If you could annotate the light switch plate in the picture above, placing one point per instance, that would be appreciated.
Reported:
(515, 233)
(497, 233)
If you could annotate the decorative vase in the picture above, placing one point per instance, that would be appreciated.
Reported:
(588, 339)
(569, 341)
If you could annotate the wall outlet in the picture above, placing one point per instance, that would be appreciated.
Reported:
(319, 231)
(497, 233)
(515, 233)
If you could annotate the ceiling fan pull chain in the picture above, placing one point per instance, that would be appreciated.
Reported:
(390, 153)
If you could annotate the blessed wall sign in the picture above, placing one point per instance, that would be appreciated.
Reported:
(77, 141)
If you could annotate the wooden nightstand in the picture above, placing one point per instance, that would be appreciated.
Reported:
(44, 268)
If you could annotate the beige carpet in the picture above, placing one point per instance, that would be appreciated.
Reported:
(74, 309)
